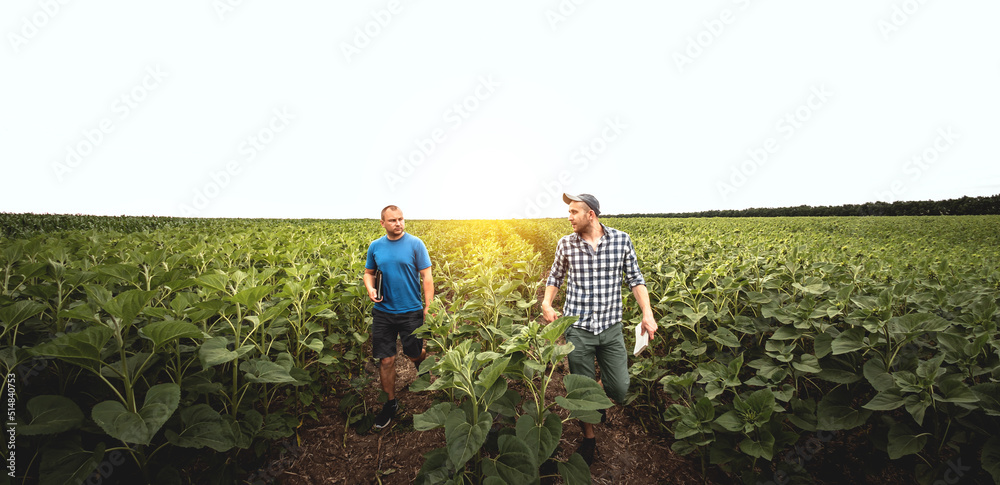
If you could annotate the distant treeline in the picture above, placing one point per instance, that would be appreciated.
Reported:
(23, 226)
(17, 226)
(955, 207)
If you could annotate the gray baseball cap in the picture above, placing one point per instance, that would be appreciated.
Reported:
(588, 199)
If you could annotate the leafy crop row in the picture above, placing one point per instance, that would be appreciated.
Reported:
(778, 329)
(167, 342)
(155, 343)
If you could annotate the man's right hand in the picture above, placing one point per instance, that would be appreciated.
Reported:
(372, 294)
(548, 313)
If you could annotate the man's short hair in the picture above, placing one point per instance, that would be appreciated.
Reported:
(388, 208)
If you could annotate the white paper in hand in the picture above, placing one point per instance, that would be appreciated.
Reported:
(641, 340)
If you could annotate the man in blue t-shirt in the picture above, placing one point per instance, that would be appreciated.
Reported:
(406, 270)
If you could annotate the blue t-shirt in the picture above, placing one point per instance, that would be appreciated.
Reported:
(400, 262)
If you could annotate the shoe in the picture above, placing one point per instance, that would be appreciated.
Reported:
(385, 416)
(587, 449)
(604, 415)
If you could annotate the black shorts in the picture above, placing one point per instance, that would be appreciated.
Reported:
(385, 328)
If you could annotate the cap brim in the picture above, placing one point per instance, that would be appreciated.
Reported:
(570, 199)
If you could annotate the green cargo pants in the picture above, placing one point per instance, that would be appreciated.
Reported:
(608, 347)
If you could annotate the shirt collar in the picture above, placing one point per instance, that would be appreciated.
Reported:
(607, 234)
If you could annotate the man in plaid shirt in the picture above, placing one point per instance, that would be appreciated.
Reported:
(594, 258)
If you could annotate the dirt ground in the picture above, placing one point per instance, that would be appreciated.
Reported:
(333, 452)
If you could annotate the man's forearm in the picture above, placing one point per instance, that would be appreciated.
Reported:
(550, 295)
(641, 294)
(649, 325)
(428, 293)
(428, 283)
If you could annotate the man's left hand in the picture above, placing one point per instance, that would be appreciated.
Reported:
(649, 325)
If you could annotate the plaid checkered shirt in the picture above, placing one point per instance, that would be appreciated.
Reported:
(594, 289)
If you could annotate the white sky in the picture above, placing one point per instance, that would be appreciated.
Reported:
(139, 108)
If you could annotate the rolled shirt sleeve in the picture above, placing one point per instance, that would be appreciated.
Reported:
(558, 271)
(632, 273)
